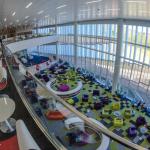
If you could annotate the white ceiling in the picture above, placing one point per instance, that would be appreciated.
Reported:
(46, 12)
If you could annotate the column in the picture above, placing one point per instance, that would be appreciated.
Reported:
(56, 34)
(75, 43)
(57, 51)
(118, 56)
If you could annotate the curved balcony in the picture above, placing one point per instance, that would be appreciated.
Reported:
(51, 111)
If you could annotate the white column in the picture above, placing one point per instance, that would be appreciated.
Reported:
(75, 43)
(118, 56)
(58, 38)
(37, 29)
(57, 50)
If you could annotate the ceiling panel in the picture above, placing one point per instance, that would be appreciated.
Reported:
(45, 12)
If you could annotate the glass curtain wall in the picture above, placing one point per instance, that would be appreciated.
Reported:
(43, 50)
(136, 57)
(97, 48)
(66, 42)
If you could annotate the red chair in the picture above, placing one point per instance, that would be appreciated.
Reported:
(54, 115)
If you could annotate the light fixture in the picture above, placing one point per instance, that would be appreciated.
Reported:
(46, 16)
(82, 10)
(14, 13)
(144, 12)
(62, 13)
(135, 1)
(26, 17)
(95, 1)
(113, 9)
(29, 5)
(40, 12)
(61, 6)
(5, 19)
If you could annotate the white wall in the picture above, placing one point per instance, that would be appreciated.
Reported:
(25, 44)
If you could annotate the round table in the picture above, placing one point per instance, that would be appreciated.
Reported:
(7, 108)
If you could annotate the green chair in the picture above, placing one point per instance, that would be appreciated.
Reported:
(127, 113)
(118, 122)
(106, 113)
(70, 101)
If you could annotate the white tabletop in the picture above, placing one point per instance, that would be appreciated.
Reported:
(7, 108)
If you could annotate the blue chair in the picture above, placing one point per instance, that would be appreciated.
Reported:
(46, 78)
(44, 103)
(38, 111)
(85, 97)
(24, 83)
(33, 98)
(75, 99)
(96, 93)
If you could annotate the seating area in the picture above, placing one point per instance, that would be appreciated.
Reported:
(30, 60)
(93, 99)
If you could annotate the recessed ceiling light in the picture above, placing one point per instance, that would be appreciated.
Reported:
(113, 9)
(144, 12)
(40, 12)
(95, 1)
(85, 10)
(62, 13)
(5, 19)
(46, 16)
(26, 17)
(61, 6)
(135, 1)
(29, 5)
(14, 13)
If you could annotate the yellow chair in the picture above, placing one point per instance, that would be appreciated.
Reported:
(127, 113)
(106, 113)
(118, 122)
(70, 101)
(116, 106)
